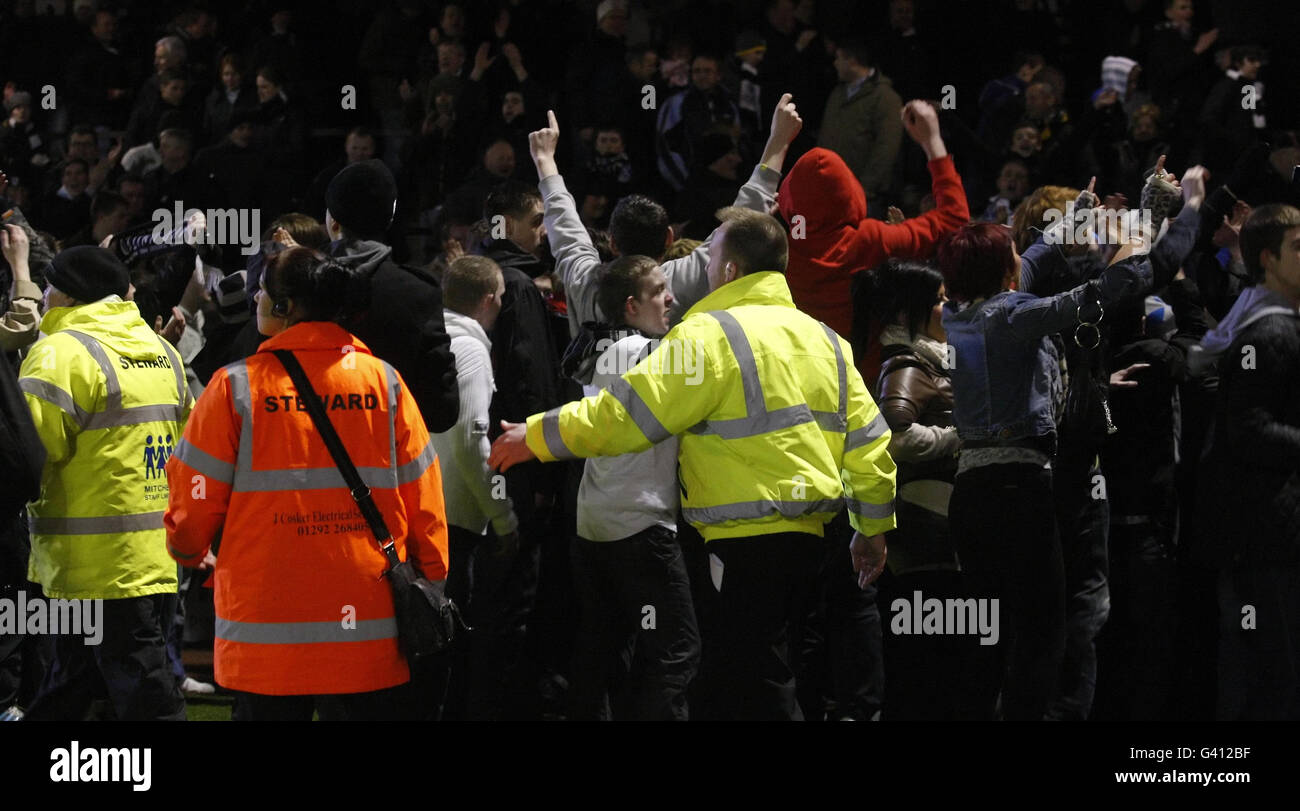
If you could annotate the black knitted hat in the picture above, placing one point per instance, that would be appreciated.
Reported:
(88, 273)
(362, 198)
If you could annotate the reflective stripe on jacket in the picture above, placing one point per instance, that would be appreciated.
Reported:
(108, 397)
(301, 604)
(778, 431)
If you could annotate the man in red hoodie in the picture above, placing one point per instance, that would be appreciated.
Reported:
(831, 237)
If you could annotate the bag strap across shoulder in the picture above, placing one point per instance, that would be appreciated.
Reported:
(360, 492)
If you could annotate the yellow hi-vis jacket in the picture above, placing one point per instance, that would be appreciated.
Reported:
(778, 431)
(109, 399)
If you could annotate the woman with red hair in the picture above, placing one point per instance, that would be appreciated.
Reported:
(1006, 391)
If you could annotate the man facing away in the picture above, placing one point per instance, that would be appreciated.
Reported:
(109, 399)
(472, 291)
(778, 433)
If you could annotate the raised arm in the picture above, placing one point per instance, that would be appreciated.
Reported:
(916, 237)
(576, 259)
(688, 277)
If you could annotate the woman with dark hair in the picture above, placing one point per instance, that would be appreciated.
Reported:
(232, 96)
(1006, 396)
(915, 396)
(305, 621)
(280, 129)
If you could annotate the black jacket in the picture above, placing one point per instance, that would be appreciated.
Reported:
(524, 358)
(403, 325)
(1250, 495)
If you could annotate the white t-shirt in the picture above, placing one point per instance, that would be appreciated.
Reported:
(622, 495)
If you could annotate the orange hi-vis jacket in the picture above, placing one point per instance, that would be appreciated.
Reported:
(302, 607)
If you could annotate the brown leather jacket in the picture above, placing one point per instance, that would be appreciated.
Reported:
(913, 391)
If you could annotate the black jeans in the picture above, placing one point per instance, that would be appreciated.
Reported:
(390, 704)
(1136, 651)
(496, 595)
(762, 590)
(1259, 643)
(129, 667)
(1084, 525)
(23, 657)
(841, 671)
(637, 616)
(1004, 526)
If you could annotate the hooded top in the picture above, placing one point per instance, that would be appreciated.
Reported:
(833, 239)
(402, 323)
(463, 451)
(108, 400)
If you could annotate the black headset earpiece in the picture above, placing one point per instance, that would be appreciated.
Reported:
(280, 308)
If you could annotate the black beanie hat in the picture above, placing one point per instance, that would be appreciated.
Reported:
(362, 197)
(88, 273)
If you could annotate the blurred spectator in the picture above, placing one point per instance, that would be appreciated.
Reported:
(862, 122)
(101, 77)
(1233, 116)
(108, 215)
(230, 96)
(67, 210)
(177, 179)
(688, 117)
(742, 83)
(236, 164)
(996, 92)
(23, 149)
(169, 57)
(173, 96)
(592, 85)
(906, 56)
(360, 144)
(1179, 70)
(1013, 185)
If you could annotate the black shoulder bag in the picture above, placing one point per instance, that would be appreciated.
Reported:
(427, 620)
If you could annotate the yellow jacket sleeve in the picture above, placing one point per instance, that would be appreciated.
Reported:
(674, 387)
(61, 386)
(867, 470)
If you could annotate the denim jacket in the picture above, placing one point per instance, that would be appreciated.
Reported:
(1005, 370)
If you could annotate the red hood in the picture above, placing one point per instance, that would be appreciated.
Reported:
(821, 187)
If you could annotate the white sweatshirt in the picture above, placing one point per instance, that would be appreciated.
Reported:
(622, 495)
(474, 494)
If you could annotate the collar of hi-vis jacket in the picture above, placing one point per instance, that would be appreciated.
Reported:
(105, 319)
(766, 287)
(313, 335)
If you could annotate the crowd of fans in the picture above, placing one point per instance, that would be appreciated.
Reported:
(1104, 473)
